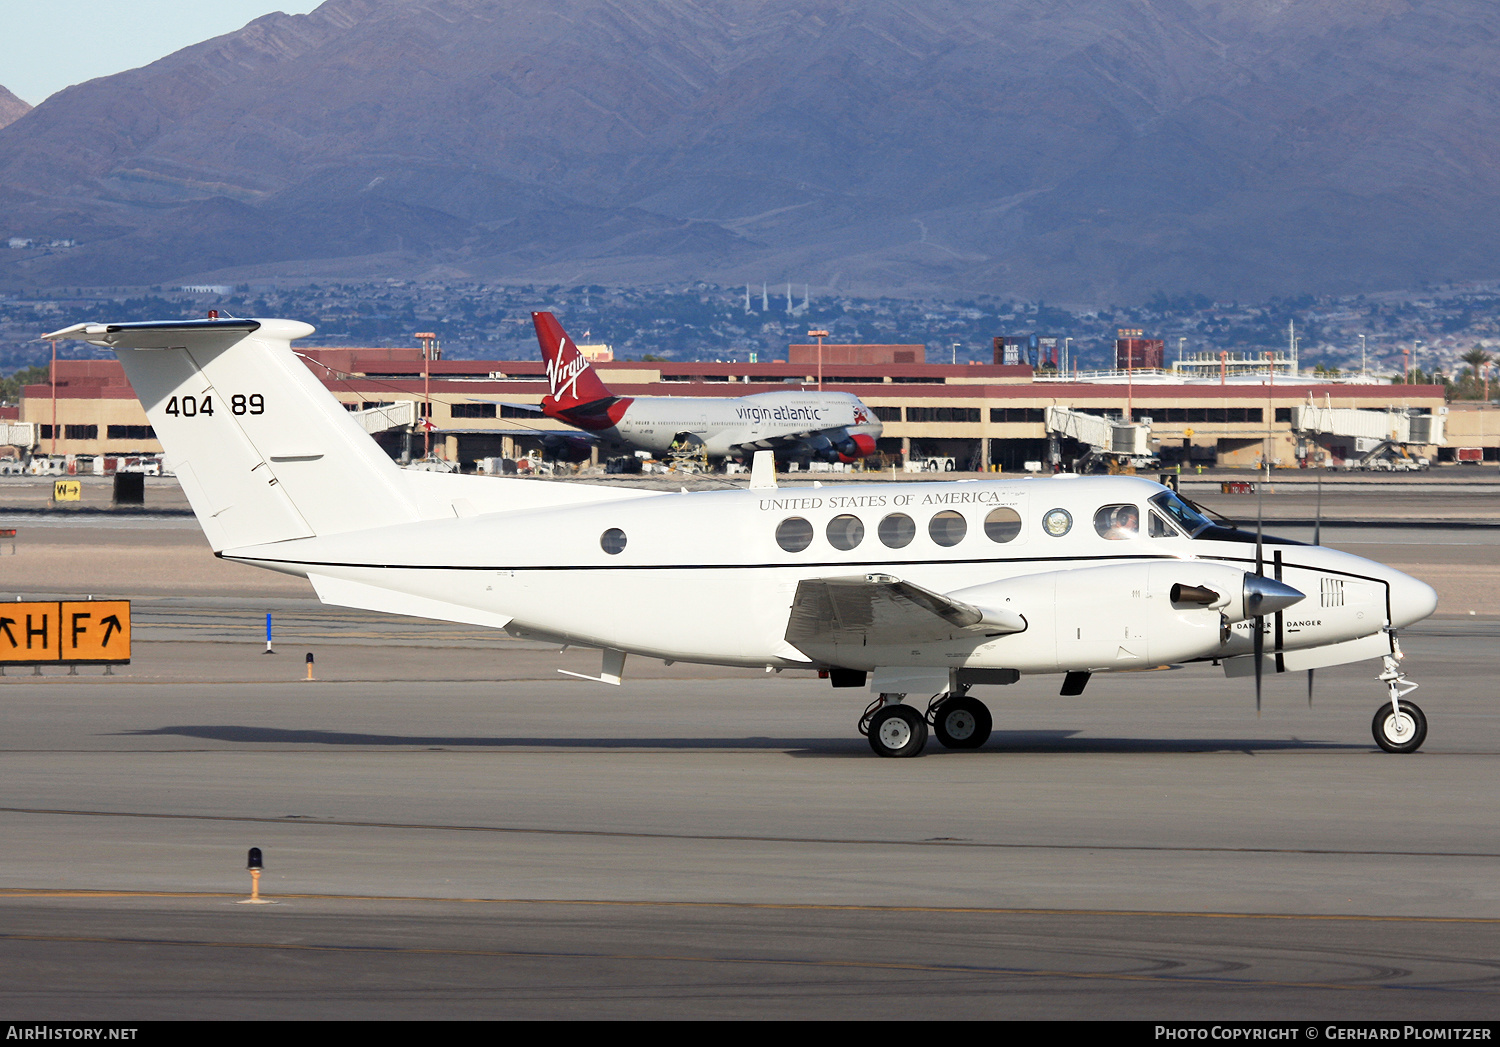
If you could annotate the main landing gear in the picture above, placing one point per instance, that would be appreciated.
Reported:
(894, 729)
(1399, 726)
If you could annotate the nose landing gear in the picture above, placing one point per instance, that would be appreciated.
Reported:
(1399, 727)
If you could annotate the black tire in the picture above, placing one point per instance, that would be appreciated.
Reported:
(1399, 735)
(962, 723)
(898, 731)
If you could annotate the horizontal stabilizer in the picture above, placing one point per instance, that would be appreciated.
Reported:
(343, 593)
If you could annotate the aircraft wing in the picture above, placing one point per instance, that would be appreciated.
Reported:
(874, 609)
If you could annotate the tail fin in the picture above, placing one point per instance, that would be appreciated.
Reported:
(572, 381)
(262, 450)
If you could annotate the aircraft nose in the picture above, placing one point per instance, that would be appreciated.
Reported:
(1411, 600)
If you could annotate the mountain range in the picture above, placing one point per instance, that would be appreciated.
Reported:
(11, 107)
(1059, 149)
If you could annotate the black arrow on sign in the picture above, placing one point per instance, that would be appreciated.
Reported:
(5, 624)
(110, 625)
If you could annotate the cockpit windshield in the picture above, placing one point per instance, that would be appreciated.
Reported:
(1183, 515)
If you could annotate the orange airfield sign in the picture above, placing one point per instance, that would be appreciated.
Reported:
(65, 631)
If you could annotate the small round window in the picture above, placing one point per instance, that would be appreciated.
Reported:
(794, 534)
(897, 531)
(845, 532)
(948, 528)
(1002, 525)
(612, 541)
(1057, 522)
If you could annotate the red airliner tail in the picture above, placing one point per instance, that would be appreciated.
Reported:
(571, 379)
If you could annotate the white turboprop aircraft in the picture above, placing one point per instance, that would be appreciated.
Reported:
(923, 589)
(799, 423)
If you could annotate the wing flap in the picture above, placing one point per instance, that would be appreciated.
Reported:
(876, 609)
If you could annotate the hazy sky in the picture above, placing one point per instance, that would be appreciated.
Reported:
(52, 45)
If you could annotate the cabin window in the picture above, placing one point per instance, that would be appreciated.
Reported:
(1002, 525)
(845, 532)
(897, 531)
(612, 541)
(948, 528)
(794, 534)
(1118, 522)
(1057, 522)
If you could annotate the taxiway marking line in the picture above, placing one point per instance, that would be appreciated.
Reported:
(744, 837)
(643, 903)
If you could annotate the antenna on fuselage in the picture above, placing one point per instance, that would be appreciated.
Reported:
(763, 471)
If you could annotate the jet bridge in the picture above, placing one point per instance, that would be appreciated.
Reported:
(18, 434)
(399, 415)
(1104, 437)
(1382, 440)
(1399, 425)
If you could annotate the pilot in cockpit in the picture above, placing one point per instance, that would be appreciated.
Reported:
(1118, 522)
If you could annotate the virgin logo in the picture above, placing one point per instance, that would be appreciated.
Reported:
(562, 376)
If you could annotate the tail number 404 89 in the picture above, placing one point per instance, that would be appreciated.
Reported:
(192, 406)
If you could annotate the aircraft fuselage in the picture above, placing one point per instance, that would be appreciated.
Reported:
(704, 578)
(789, 423)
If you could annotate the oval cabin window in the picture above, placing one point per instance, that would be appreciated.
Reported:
(1002, 525)
(612, 541)
(794, 534)
(897, 531)
(1118, 522)
(948, 528)
(845, 532)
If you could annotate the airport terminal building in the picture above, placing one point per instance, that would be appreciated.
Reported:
(998, 416)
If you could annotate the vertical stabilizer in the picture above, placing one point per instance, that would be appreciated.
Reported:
(262, 450)
(572, 381)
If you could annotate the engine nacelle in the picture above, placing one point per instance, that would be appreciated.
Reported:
(1115, 616)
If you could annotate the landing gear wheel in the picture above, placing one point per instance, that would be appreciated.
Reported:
(962, 723)
(898, 730)
(1402, 732)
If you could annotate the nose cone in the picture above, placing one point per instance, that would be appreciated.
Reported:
(1267, 595)
(1411, 600)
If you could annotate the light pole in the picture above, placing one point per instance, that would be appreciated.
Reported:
(427, 338)
(819, 335)
(1363, 372)
(1067, 354)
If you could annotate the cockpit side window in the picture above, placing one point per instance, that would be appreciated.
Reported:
(1159, 528)
(1118, 522)
(1179, 512)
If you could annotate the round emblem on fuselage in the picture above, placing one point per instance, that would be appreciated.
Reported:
(1057, 522)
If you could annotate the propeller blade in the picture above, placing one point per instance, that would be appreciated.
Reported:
(1260, 647)
(1260, 530)
(1318, 520)
(1309, 688)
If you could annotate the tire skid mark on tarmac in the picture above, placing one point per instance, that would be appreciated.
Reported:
(348, 823)
(964, 969)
